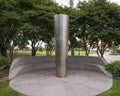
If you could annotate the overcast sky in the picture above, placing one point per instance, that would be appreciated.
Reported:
(66, 2)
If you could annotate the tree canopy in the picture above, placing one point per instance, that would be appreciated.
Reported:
(94, 22)
(30, 19)
(98, 22)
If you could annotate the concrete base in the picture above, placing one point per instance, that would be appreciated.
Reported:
(45, 83)
(20, 66)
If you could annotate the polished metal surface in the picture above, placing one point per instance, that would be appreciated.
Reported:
(61, 22)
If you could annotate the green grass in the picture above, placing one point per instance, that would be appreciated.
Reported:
(114, 91)
(5, 90)
(43, 53)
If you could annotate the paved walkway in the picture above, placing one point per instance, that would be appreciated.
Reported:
(109, 58)
(77, 83)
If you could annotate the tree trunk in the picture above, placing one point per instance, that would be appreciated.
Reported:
(79, 52)
(48, 51)
(33, 51)
(102, 54)
(11, 52)
(3, 51)
(86, 53)
(85, 46)
(101, 49)
(72, 52)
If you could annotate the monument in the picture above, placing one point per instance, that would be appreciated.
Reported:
(34, 76)
(61, 39)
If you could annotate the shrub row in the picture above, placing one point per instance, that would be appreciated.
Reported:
(114, 68)
(4, 62)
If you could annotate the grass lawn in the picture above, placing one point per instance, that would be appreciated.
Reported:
(22, 53)
(43, 53)
(114, 91)
(5, 90)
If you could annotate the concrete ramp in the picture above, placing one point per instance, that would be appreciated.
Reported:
(27, 64)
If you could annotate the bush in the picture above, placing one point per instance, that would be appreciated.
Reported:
(114, 68)
(5, 62)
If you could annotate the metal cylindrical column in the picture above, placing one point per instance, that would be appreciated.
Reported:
(61, 38)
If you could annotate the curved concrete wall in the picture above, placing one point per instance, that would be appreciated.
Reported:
(22, 65)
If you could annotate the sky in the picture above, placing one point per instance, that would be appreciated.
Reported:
(66, 2)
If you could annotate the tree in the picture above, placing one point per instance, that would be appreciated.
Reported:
(98, 23)
(38, 22)
(17, 43)
(27, 19)
(9, 18)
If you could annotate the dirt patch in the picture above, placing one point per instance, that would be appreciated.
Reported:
(4, 75)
